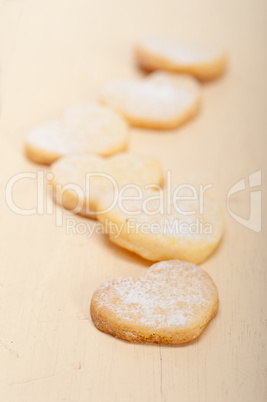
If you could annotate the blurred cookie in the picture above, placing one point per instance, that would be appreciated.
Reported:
(171, 304)
(161, 226)
(160, 101)
(80, 180)
(204, 62)
(90, 128)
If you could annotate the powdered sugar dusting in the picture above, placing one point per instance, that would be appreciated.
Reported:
(84, 128)
(161, 96)
(202, 224)
(124, 168)
(181, 53)
(171, 294)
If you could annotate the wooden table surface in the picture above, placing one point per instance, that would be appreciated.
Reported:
(53, 54)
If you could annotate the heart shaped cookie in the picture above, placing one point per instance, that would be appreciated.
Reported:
(90, 128)
(80, 180)
(205, 62)
(161, 225)
(161, 100)
(171, 304)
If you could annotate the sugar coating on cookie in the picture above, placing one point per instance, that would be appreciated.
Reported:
(88, 128)
(161, 100)
(158, 226)
(203, 61)
(171, 304)
(80, 180)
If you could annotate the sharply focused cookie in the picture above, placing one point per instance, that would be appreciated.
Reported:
(171, 304)
(159, 226)
(88, 128)
(161, 100)
(204, 62)
(80, 180)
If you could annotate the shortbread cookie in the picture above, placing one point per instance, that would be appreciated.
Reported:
(161, 100)
(160, 227)
(80, 180)
(204, 62)
(89, 128)
(171, 304)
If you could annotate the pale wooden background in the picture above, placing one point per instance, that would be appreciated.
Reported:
(54, 53)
